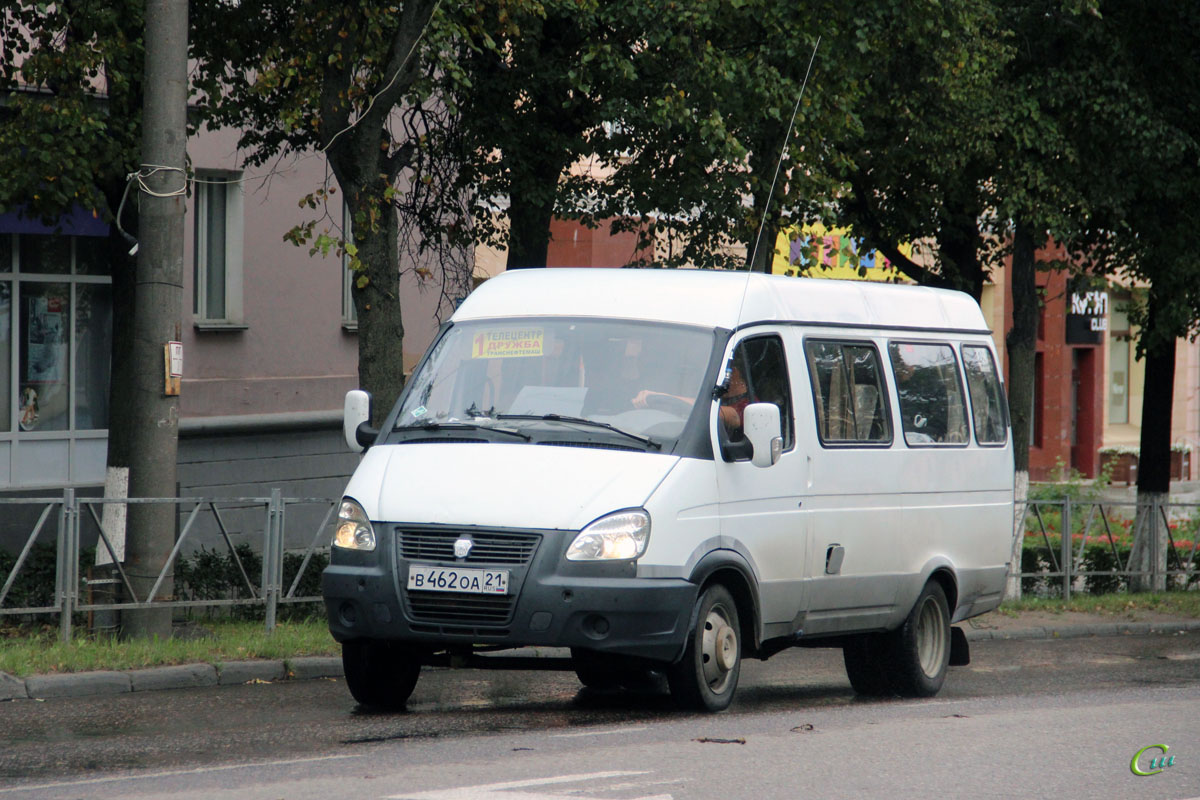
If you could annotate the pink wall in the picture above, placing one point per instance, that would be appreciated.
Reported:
(293, 354)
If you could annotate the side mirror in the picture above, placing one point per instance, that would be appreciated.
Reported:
(764, 430)
(356, 419)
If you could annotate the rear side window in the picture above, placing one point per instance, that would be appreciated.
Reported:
(987, 399)
(849, 393)
(932, 410)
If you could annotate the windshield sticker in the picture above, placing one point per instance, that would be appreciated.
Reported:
(519, 343)
(419, 411)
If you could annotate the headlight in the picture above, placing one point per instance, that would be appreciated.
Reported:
(354, 531)
(622, 535)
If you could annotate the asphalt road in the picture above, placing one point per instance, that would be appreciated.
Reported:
(1058, 718)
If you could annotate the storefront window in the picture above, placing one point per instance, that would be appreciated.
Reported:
(5, 356)
(1118, 362)
(46, 254)
(55, 351)
(44, 394)
(93, 349)
(91, 256)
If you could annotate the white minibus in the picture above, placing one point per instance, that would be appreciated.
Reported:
(668, 471)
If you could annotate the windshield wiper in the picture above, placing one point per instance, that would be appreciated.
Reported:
(459, 426)
(645, 440)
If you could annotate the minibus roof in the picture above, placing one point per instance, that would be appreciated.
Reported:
(714, 299)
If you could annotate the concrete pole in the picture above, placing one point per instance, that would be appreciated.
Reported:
(159, 309)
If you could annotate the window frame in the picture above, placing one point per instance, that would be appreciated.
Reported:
(230, 184)
(788, 425)
(962, 392)
(870, 444)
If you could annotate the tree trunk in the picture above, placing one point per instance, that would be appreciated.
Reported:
(380, 323)
(1149, 552)
(1022, 347)
(528, 233)
(533, 188)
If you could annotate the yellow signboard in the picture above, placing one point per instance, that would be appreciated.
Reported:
(515, 343)
(815, 251)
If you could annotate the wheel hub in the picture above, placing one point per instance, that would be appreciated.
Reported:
(719, 646)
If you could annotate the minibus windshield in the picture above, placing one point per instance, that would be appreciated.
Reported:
(614, 381)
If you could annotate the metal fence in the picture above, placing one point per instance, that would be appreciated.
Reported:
(64, 519)
(1087, 545)
(1094, 555)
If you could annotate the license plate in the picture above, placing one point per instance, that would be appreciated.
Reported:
(453, 579)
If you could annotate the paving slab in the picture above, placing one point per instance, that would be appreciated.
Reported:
(182, 676)
(246, 671)
(78, 684)
(12, 687)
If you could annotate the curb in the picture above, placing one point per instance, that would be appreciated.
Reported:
(233, 673)
(184, 676)
(1081, 631)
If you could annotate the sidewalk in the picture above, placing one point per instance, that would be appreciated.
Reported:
(1026, 625)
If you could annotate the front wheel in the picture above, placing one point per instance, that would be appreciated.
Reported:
(380, 674)
(707, 675)
(920, 648)
(603, 671)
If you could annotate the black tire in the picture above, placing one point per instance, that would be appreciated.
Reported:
(707, 675)
(604, 671)
(866, 657)
(380, 674)
(920, 648)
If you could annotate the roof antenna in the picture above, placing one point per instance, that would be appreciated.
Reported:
(782, 151)
(771, 193)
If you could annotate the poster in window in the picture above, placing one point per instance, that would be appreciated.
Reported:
(47, 340)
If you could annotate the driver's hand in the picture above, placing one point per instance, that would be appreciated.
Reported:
(639, 399)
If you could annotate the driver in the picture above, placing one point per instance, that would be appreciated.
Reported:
(733, 403)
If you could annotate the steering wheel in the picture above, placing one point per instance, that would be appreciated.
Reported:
(669, 404)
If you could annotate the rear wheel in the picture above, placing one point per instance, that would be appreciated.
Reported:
(920, 648)
(707, 675)
(866, 661)
(380, 674)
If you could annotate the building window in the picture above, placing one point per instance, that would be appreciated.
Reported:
(217, 269)
(1036, 414)
(55, 351)
(1118, 363)
(349, 312)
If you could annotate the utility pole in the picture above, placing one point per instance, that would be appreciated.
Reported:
(159, 306)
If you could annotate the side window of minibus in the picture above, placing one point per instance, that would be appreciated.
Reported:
(932, 410)
(848, 391)
(758, 375)
(987, 399)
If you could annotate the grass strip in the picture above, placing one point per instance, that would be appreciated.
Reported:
(1183, 604)
(35, 651)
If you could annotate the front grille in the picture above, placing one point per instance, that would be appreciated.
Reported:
(460, 609)
(490, 547)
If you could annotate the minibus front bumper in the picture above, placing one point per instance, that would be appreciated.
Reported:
(550, 602)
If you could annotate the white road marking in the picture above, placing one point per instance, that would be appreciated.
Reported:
(503, 791)
(597, 733)
(173, 773)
